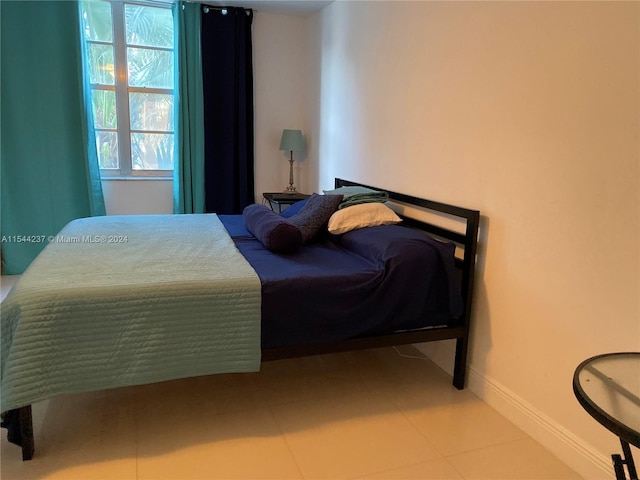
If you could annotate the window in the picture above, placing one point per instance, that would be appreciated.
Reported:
(130, 65)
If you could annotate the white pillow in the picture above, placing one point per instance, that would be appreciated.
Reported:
(362, 215)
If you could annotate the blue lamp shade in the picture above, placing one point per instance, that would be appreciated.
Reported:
(292, 141)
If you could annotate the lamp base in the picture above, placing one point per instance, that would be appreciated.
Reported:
(291, 188)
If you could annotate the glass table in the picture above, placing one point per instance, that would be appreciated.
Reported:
(283, 198)
(608, 387)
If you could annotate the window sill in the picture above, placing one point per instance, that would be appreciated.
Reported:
(135, 179)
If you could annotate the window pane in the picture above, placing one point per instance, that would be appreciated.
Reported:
(150, 68)
(96, 18)
(151, 111)
(101, 64)
(107, 145)
(152, 151)
(104, 109)
(149, 26)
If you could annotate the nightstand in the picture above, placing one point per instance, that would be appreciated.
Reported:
(282, 199)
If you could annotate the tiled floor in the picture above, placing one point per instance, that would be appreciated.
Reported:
(370, 415)
(374, 414)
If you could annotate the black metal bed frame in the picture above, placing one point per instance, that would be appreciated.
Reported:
(457, 328)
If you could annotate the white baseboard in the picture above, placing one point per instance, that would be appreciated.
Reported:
(572, 450)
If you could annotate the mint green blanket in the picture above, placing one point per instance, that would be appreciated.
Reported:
(355, 195)
(126, 300)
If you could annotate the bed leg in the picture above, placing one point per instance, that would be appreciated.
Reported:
(19, 425)
(26, 433)
(460, 365)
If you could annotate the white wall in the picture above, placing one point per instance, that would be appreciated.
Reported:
(280, 59)
(527, 111)
(138, 197)
(281, 62)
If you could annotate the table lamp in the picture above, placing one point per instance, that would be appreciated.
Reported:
(292, 140)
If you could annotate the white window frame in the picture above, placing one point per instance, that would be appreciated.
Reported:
(122, 89)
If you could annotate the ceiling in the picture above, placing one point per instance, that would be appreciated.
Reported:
(288, 7)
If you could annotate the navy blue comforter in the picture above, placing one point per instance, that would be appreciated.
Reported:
(368, 281)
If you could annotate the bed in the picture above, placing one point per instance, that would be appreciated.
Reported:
(118, 301)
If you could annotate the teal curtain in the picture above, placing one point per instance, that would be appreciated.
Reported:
(188, 181)
(49, 169)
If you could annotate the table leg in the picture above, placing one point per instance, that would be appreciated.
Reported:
(628, 459)
(618, 467)
(619, 462)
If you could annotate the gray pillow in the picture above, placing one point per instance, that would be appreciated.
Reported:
(314, 216)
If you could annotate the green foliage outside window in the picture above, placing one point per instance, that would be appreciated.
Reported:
(135, 58)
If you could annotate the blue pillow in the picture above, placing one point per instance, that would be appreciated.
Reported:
(273, 231)
(293, 209)
(314, 215)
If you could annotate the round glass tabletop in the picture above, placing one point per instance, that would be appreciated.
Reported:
(608, 387)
